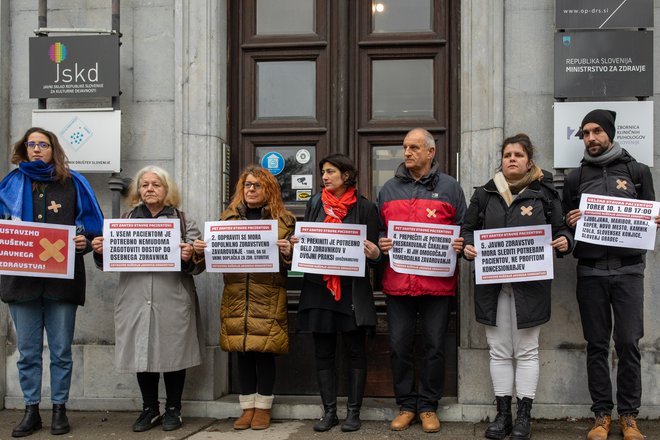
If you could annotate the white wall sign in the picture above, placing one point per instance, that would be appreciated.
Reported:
(91, 138)
(634, 129)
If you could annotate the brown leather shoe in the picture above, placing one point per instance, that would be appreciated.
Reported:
(261, 419)
(601, 427)
(244, 421)
(430, 422)
(262, 405)
(629, 428)
(402, 421)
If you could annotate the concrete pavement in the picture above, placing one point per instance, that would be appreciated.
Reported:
(117, 426)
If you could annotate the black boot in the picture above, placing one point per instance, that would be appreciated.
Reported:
(357, 379)
(60, 423)
(522, 429)
(31, 422)
(501, 426)
(328, 391)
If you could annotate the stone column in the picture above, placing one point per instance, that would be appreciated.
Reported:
(200, 39)
(482, 126)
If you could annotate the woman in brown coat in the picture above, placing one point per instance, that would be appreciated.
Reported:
(253, 312)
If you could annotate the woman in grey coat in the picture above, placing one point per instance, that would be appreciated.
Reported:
(157, 321)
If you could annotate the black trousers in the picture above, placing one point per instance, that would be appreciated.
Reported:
(354, 345)
(256, 373)
(402, 314)
(600, 299)
(174, 381)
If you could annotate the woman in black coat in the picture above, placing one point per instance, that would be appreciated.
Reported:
(43, 189)
(333, 304)
(521, 194)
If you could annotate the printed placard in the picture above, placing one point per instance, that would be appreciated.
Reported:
(37, 249)
(241, 246)
(330, 249)
(139, 245)
(511, 255)
(422, 249)
(618, 222)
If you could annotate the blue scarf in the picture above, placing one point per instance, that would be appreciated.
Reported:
(16, 196)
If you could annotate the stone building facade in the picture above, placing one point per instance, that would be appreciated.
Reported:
(175, 99)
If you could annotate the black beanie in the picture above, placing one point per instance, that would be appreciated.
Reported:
(604, 118)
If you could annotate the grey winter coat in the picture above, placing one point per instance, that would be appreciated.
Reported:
(158, 325)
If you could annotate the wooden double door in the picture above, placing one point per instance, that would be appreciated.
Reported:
(312, 77)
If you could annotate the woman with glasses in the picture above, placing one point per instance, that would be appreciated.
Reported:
(158, 327)
(331, 304)
(44, 190)
(253, 313)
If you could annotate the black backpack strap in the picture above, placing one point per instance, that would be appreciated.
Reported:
(182, 223)
(549, 191)
(635, 172)
(484, 199)
(316, 206)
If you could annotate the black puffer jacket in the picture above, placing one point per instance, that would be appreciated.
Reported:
(606, 181)
(488, 210)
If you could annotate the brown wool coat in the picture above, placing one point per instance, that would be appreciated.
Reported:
(253, 311)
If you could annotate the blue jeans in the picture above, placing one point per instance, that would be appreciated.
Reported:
(59, 319)
(402, 312)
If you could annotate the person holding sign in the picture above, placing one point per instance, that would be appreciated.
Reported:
(158, 327)
(331, 304)
(610, 280)
(253, 313)
(43, 189)
(419, 192)
(520, 194)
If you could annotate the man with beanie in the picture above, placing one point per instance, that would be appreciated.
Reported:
(610, 280)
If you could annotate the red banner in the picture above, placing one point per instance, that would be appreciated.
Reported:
(36, 249)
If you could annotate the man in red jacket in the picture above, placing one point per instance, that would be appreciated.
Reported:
(419, 192)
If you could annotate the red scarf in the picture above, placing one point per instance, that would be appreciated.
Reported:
(336, 209)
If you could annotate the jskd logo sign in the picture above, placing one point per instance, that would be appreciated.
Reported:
(57, 54)
(84, 66)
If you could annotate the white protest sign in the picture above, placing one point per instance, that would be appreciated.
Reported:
(241, 246)
(510, 255)
(619, 222)
(330, 249)
(422, 249)
(141, 245)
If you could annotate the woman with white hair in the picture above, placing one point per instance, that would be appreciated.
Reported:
(157, 321)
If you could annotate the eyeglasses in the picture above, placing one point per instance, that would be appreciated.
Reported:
(42, 145)
(256, 186)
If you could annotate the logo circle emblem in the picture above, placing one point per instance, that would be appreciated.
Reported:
(57, 52)
(273, 162)
(303, 156)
